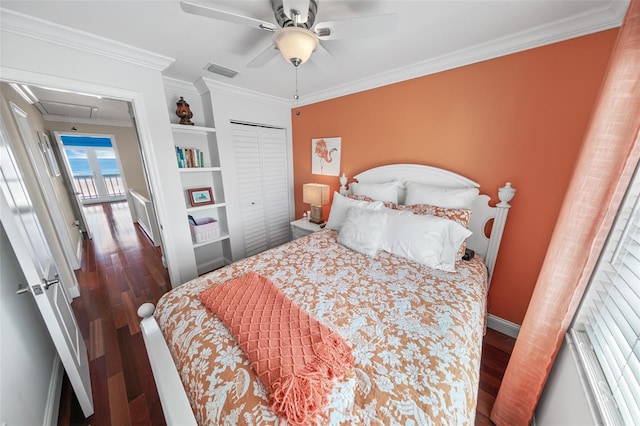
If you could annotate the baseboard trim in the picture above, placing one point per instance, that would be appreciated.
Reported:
(503, 326)
(52, 409)
(79, 253)
(73, 291)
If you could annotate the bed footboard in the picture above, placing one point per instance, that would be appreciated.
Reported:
(175, 404)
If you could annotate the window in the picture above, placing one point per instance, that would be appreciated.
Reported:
(94, 168)
(607, 325)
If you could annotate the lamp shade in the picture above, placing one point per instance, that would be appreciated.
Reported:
(295, 44)
(315, 194)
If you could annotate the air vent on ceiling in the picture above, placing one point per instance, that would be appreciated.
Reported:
(68, 109)
(217, 69)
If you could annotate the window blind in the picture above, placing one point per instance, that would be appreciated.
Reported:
(86, 141)
(607, 325)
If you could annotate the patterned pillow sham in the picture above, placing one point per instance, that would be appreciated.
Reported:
(462, 216)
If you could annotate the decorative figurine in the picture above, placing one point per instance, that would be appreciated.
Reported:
(184, 112)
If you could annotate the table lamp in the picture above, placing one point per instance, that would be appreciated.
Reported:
(317, 195)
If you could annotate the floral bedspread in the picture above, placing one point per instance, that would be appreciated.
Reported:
(416, 335)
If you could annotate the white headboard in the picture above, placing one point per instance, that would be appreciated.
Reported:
(482, 212)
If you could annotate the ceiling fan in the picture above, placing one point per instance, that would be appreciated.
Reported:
(295, 36)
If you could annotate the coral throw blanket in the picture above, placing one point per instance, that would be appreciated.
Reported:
(295, 356)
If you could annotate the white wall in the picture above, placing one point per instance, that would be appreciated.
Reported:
(30, 370)
(230, 103)
(563, 400)
(88, 64)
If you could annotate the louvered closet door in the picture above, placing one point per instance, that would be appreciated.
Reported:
(274, 184)
(261, 170)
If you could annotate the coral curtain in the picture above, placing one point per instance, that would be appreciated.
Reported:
(604, 168)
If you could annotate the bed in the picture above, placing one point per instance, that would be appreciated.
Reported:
(415, 331)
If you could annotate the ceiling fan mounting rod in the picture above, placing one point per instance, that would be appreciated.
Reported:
(284, 20)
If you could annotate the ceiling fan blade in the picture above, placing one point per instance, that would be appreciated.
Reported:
(202, 10)
(323, 59)
(263, 57)
(367, 26)
(302, 6)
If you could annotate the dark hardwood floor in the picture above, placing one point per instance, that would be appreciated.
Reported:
(121, 270)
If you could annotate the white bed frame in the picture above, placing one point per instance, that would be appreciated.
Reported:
(175, 404)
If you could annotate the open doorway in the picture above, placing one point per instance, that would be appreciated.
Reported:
(98, 152)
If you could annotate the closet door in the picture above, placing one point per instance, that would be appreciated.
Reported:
(275, 185)
(261, 170)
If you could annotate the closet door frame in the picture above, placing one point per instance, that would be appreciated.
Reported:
(259, 231)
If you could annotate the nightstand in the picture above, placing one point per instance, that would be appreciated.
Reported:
(302, 227)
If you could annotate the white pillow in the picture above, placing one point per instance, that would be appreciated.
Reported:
(387, 191)
(362, 230)
(429, 240)
(341, 204)
(450, 198)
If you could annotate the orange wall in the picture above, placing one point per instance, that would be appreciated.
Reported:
(519, 118)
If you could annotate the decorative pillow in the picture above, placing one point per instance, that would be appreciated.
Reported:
(462, 216)
(339, 208)
(362, 230)
(387, 204)
(451, 198)
(429, 240)
(387, 191)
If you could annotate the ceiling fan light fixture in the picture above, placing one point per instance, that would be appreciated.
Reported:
(295, 44)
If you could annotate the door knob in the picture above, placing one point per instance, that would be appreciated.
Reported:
(23, 289)
(48, 283)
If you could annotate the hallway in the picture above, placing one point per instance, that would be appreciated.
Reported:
(120, 270)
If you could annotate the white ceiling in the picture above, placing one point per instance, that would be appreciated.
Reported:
(55, 105)
(430, 36)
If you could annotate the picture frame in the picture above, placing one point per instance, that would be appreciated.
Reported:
(200, 196)
(49, 156)
(325, 156)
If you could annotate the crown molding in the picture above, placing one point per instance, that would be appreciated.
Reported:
(180, 86)
(96, 122)
(39, 29)
(204, 85)
(604, 18)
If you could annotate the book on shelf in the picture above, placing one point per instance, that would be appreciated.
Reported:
(189, 157)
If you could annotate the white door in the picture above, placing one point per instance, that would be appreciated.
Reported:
(73, 194)
(273, 147)
(21, 224)
(33, 147)
(248, 165)
(263, 189)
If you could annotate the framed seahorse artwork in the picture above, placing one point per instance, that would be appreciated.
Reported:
(325, 156)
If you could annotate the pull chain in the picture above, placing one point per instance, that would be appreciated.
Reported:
(296, 97)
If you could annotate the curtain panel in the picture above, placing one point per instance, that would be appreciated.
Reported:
(604, 168)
